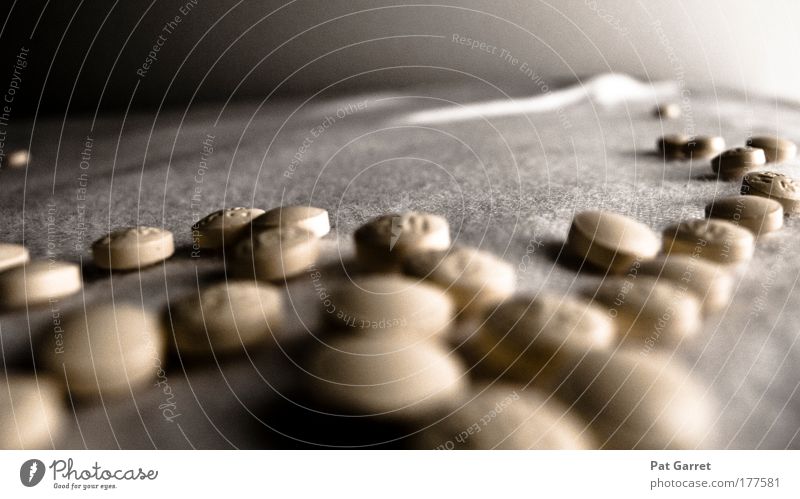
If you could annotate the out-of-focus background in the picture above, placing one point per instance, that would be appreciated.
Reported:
(92, 54)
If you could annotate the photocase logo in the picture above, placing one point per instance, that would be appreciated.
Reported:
(31, 472)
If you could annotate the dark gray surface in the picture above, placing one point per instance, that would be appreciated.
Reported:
(505, 185)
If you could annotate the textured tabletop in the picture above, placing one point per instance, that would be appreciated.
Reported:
(508, 183)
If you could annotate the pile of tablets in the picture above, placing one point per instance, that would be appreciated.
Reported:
(108, 350)
(728, 164)
(545, 371)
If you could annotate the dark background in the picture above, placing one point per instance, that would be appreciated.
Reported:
(84, 54)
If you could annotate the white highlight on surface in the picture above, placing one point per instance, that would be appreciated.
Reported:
(606, 90)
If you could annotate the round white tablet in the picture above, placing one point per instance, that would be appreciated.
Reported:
(390, 305)
(649, 313)
(381, 376)
(12, 255)
(133, 248)
(314, 220)
(714, 239)
(758, 214)
(610, 241)
(734, 163)
(223, 227)
(226, 317)
(274, 254)
(777, 186)
(507, 416)
(38, 282)
(19, 158)
(703, 147)
(31, 413)
(384, 242)
(535, 337)
(475, 279)
(636, 401)
(107, 350)
(712, 284)
(667, 111)
(776, 149)
(672, 146)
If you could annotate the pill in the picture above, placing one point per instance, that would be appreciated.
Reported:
(382, 376)
(274, 254)
(711, 284)
(667, 111)
(106, 350)
(672, 146)
(777, 186)
(390, 305)
(528, 337)
(12, 255)
(734, 163)
(314, 220)
(758, 215)
(19, 158)
(610, 241)
(475, 279)
(714, 239)
(776, 149)
(38, 282)
(509, 417)
(384, 242)
(649, 313)
(703, 147)
(226, 317)
(133, 248)
(636, 401)
(31, 415)
(223, 227)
